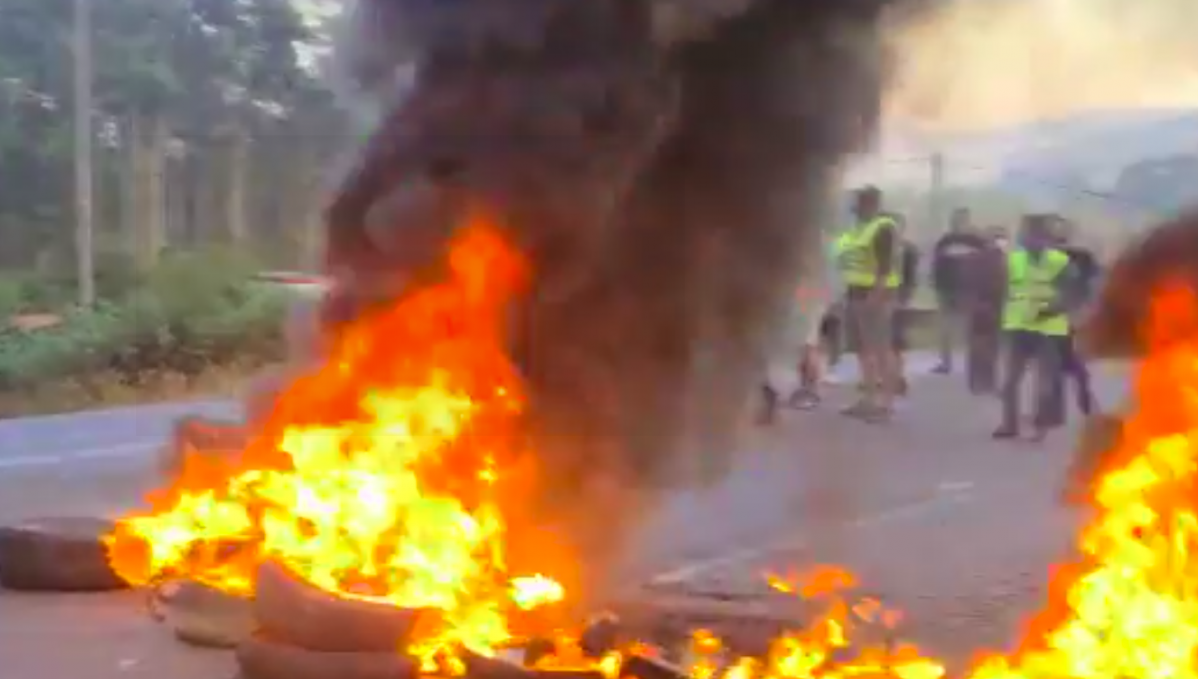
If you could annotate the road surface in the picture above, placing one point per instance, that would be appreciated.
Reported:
(954, 528)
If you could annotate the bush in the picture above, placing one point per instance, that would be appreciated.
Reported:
(191, 314)
(11, 298)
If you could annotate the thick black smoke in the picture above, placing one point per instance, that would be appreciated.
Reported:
(664, 163)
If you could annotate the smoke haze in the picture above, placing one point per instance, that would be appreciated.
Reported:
(984, 63)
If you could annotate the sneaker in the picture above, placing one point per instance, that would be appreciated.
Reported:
(942, 369)
(1005, 433)
(803, 399)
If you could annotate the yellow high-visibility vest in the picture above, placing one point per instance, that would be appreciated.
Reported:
(1031, 286)
(859, 262)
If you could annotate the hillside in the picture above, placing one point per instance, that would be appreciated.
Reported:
(1041, 160)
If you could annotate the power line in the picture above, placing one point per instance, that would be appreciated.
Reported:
(1033, 178)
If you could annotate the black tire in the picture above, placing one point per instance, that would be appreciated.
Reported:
(295, 613)
(203, 616)
(61, 554)
(480, 667)
(220, 441)
(643, 667)
(260, 658)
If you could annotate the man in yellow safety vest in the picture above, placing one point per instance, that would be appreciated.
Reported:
(1035, 318)
(869, 256)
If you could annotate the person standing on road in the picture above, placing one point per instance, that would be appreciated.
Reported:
(950, 273)
(1035, 318)
(818, 300)
(870, 263)
(906, 293)
(834, 335)
(1085, 278)
(818, 288)
(985, 292)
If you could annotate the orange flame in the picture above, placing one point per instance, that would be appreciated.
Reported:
(380, 475)
(385, 474)
(1130, 611)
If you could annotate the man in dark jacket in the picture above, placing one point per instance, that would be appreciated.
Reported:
(949, 275)
(1086, 271)
(906, 292)
(985, 285)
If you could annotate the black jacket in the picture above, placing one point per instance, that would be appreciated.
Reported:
(1086, 269)
(950, 259)
(910, 279)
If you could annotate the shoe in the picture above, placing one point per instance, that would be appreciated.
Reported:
(942, 369)
(1005, 433)
(860, 409)
(803, 399)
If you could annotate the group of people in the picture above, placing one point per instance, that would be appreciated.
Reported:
(1013, 305)
(1020, 301)
(870, 273)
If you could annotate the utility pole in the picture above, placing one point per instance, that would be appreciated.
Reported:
(936, 193)
(84, 247)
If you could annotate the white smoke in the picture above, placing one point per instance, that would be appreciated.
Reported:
(983, 63)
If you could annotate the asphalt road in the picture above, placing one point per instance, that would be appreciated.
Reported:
(936, 517)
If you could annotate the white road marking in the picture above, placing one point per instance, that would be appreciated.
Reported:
(697, 567)
(116, 452)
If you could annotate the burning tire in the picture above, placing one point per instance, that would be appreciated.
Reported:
(294, 613)
(197, 436)
(203, 616)
(479, 667)
(261, 658)
(64, 554)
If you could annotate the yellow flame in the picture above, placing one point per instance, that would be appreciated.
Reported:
(378, 476)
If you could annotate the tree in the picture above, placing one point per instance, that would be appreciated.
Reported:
(176, 82)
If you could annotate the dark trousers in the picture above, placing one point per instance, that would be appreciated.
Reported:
(831, 332)
(984, 343)
(1073, 369)
(953, 328)
(1042, 353)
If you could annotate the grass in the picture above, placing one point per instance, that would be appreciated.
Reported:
(107, 391)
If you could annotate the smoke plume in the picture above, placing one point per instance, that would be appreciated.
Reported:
(974, 64)
(665, 165)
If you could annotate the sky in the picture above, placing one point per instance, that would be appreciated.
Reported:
(984, 64)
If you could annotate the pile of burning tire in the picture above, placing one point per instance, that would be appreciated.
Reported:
(290, 629)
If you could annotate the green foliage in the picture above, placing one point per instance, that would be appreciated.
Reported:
(190, 314)
(11, 298)
(198, 68)
(199, 65)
